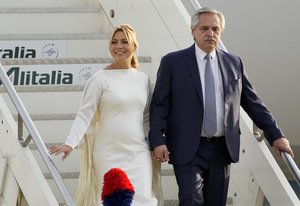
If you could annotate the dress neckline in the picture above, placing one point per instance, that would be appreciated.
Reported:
(119, 69)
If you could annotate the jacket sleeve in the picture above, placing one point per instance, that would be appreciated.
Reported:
(257, 110)
(159, 108)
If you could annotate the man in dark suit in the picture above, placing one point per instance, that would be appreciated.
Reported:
(201, 157)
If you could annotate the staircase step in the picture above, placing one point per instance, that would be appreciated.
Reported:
(75, 175)
(142, 59)
(52, 61)
(176, 202)
(57, 36)
(47, 3)
(47, 117)
(166, 203)
(46, 103)
(33, 10)
(33, 89)
(72, 45)
(47, 22)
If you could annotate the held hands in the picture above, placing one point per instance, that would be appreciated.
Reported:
(161, 153)
(282, 145)
(66, 149)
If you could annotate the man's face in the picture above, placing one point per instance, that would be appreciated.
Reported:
(208, 31)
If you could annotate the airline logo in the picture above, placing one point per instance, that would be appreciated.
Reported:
(32, 49)
(46, 75)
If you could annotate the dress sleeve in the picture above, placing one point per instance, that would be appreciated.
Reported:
(146, 110)
(89, 103)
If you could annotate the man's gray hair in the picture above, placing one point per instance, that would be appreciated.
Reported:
(195, 19)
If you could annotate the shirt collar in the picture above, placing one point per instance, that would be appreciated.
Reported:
(200, 53)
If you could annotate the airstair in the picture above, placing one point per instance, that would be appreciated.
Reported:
(48, 49)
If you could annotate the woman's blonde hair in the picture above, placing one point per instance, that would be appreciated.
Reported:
(132, 40)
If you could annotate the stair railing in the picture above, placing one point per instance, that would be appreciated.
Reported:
(287, 158)
(35, 136)
(289, 161)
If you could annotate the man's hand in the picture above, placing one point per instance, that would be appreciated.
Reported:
(282, 145)
(161, 153)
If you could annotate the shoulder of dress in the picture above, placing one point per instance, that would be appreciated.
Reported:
(142, 73)
(99, 74)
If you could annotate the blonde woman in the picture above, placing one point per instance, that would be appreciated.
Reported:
(110, 129)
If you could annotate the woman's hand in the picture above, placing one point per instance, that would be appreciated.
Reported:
(66, 149)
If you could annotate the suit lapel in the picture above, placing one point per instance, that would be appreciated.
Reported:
(227, 71)
(223, 65)
(192, 67)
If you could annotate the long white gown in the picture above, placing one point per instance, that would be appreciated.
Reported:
(121, 96)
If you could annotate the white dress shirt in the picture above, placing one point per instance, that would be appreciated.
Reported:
(200, 55)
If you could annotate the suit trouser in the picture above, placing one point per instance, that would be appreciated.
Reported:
(205, 180)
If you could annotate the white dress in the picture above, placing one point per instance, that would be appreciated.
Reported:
(121, 96)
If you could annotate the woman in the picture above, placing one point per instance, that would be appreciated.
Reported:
(109, 126)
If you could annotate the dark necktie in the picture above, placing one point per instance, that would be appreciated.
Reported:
(210, 115)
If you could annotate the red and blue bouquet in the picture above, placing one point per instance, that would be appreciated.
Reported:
(117, 189)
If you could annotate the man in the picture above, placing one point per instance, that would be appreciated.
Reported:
(194, 114)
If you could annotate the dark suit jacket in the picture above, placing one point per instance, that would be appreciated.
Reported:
(176, 111)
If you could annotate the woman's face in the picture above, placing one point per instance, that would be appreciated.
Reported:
(120, 49)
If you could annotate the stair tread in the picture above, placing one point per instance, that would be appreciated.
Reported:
(57, 36)
(95, 60)
(31, 10)
(75, 175)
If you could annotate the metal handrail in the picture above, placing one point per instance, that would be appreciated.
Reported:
(289, 161)
(35, 136)
(287, 158)
(195, 4)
